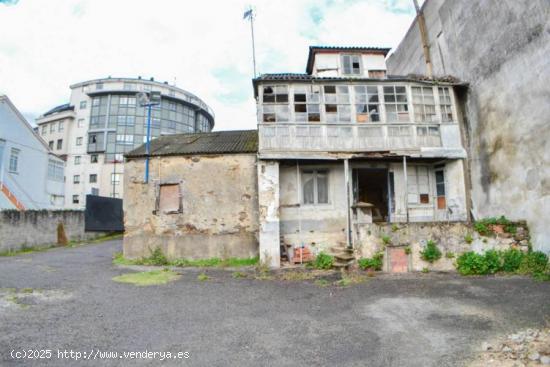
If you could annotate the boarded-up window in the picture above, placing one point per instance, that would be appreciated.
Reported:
(418, 185)
(169, 198)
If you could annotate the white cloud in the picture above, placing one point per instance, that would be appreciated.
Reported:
(204, 46)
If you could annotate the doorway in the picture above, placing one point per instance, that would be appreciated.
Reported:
(370, 187)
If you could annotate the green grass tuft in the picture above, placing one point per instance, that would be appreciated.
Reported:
(147, 278)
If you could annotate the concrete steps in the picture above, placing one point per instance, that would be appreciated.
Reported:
(343, 256)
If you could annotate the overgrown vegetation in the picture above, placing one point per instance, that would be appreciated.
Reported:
(431, 253)
(323, 261)
(202, 277)
(26, 250)
(484, 226)
(386, 240)
(373, 263)
(468, 238)
(157, 258)
(408, 250)
(533, 263)
(147, 277)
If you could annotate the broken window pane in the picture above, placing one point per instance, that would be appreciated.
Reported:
(445, 104)
(424, 104)
(395, 99)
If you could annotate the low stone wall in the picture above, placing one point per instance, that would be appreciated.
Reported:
(451, 238)
(36, 228)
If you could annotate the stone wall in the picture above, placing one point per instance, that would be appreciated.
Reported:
(502, 53)
(39, 227)
(219, 207)
(451, 238)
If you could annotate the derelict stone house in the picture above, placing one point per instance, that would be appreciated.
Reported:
(201, 198)
(345, 147)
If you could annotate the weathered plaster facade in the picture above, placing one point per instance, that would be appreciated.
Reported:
(502, 52)
(218, 201)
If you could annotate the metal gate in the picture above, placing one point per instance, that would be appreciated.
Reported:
(103, 214)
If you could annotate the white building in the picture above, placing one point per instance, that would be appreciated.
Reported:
(103, 120)
(31, 175)
(344, 146)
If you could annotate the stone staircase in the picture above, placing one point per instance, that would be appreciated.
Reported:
(343, 256)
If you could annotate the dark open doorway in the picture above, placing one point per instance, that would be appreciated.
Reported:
(371, 187)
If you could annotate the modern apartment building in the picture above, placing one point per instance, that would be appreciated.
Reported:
(31, 175)
(103, 120)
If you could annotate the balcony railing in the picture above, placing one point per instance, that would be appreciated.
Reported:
(305, 137)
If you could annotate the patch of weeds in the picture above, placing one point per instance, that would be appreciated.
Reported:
(27, 290)
(484, 226)
(374, 263)
(468, 238)
(386, 240)
(323, 261)
(119, 259)
(450, 255)
(511, 260)
(350, 279)
(238, 275)
(157, 258)
(235, 262)
(322, 282)
(394, 227)
(431, 253)
(203, 277)
(408, 250)
(297, 275)
(425, 270)
(26, 250)
(534, 263)
(147, 278)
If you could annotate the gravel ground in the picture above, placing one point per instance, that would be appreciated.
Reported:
(65, 299)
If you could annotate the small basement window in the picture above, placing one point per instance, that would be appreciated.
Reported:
(169, 201)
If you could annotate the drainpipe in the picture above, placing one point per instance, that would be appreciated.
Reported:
(348, 217)
(424, 37)
(406, 187)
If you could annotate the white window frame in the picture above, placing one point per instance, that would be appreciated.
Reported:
(314, 172)
(352, 71)
(14, 160)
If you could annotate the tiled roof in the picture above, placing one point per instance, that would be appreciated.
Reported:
(314, 49)
(60, 108)
(218, 142)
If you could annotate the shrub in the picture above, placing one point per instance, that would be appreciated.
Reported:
(470, 263)
(468, 238)
(534, 263)
(425, 270)
(493, 261)
(156, 258)
(374, 263)
(386, 240)
(511, 260)
(323, 261)
(482, 226)
(431, 253)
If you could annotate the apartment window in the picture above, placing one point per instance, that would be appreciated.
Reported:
(424, 104)
(99, 86)
(61, 126)
(351, 64)
(395, 101)
(14, 160)
(76, 160)
(427, 131)
(418, 185)
(80, 123)
(93, 178)
(115, 178)
(96, 102)
(95, 191)
(50, 144)
(306, 103)
(125, 139)
(171, 106)
(93, 158)
(76, 199)
(44, 129)
(55, 170)
(127, 101)
(445, 104)
(59, 144)
(275, 107)
(130, 86)
(367, 103)
(76, 179)
(440, 187)
(52, 127)
(337, 108)
(169, 200)
(315, 187)
(126, 120)
(79, 141)
(82, 105)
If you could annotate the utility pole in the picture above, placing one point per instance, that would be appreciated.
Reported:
(249, 14)
(424, 37)
(148, 100)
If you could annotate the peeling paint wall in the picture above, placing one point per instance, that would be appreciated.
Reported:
(502, 52)
(268, 199)
(219, 202)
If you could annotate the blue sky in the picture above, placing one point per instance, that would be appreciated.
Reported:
(203, 47)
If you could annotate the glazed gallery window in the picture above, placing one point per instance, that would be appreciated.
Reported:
(418, 185)
(55, 170)
(424, 104)
(440, 187)
(337, 108)
(306, 103)
(351, 64)
(314, 187)
(169, 199)
(445, 104)
(395, 101)
(367, 105)
(275, 104)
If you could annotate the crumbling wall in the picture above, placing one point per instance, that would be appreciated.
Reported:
(219, 207)
(35, 228)
(502, 52)
(268, 188)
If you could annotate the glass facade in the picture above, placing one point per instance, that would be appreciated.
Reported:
(118, 124)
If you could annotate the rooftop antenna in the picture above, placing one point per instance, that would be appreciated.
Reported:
(250, 14)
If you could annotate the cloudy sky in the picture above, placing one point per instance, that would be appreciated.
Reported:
(203, 46)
